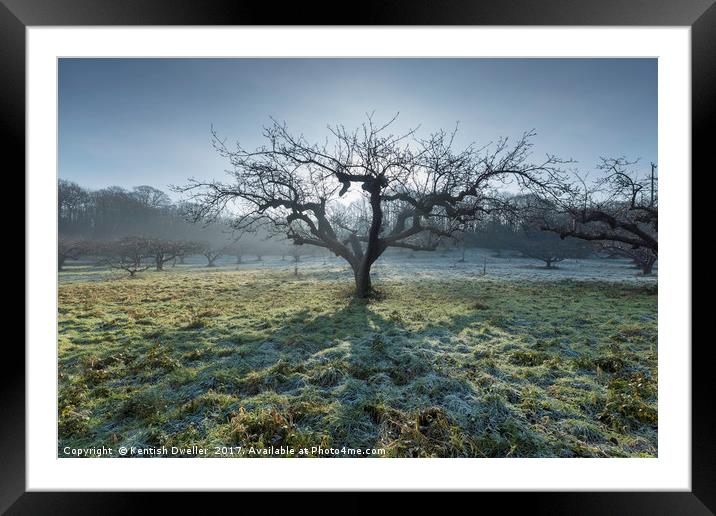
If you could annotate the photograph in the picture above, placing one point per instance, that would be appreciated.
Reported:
(357, 257)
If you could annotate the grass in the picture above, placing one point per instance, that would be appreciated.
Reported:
(457, 368)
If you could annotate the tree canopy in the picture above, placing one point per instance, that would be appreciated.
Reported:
(407, 191)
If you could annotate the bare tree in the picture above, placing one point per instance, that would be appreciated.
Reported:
(413, 190)
(527, 214)
(151, 197)
(547, 247)
(69, 248)
(127, 254)
(296, 253)
(188, 248)
(621, 206)
(642, 257)
(460, 238)
(163, 251)
(211, 253)
(236, 249)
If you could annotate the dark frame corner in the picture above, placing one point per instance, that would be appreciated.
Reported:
(700, 15)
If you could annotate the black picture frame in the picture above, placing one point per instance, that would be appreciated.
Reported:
(700, 15)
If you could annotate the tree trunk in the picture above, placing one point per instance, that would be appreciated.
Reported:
(159, 263)
(374, 247)
(363, 284)
(181, 259)
(549, 263)
(60, 262)
(647, 267)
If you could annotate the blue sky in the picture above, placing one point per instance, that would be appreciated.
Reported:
(130, 122)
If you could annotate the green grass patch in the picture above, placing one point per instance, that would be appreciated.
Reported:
(429, 368)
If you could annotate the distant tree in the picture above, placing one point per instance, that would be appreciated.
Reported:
(163, 251)
(642, 257)
(527, 213)
(127, 254)
(184, 248)
(548, 247)
(414, 190)
(212, 253)
(497, 232)
(296, 253)
(235, 249)
(151, 197)
(69, 248)
(188, 248)
(460, 238)
(261, 244)
(74, 204)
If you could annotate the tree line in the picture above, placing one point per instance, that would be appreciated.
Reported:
(134, 230)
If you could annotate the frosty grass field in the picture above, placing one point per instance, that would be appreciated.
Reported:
(445, 362)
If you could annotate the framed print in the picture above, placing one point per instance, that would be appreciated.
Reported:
(418, 249)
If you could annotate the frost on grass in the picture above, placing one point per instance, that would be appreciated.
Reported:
(439, 365)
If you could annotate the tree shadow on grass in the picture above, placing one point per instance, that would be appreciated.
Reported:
(357, 376)
(366, 381)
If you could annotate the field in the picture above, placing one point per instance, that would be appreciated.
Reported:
(444, 362)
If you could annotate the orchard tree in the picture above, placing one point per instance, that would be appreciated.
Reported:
(189, 248)
(642, 257)
(127, 254)
(163, 251)
(414, 190)
(212, 253)
(548, 247)
(296, 253)
(259, 248)
(69, 248)
(621, 206)
(462, 239)
(236, 249)
(527, 213)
